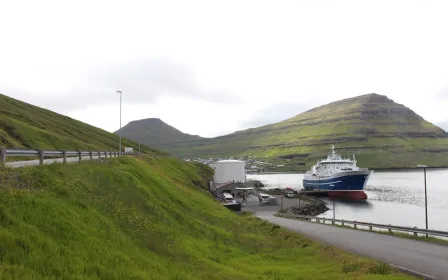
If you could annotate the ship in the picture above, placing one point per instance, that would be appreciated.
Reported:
(337, 177)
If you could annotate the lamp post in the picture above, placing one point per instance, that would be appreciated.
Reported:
(119, 146)
(149, 145)
(426, 199)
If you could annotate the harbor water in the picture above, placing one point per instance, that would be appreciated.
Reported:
(394, 197)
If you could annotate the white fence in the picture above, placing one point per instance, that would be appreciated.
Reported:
(371, 226)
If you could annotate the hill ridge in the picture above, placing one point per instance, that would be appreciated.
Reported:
(154, 131)
(23, 125)
(381, 132)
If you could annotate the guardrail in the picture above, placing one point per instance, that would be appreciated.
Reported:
(41, 154)
(371, 226)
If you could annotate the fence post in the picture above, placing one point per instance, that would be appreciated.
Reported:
(105, 155)
(41, 157)
(110, 153)
(415, 232)
(354, 224)
(390, 230)
(91, 155)
(370, 228)
(99, 155)
(80, 156)
(2, 155)
(64, 156)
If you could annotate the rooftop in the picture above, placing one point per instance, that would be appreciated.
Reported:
(230, 160)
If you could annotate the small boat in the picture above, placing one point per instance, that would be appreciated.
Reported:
(338, 177)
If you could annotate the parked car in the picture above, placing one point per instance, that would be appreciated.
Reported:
(289, 193)
(264, 198)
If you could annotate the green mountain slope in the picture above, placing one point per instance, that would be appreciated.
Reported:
(382, 133)
(127, 219)
(23, 125)
(155, 132)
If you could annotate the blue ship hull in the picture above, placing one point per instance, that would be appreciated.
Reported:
(353, 182)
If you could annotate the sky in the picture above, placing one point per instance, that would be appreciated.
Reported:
(214, 67)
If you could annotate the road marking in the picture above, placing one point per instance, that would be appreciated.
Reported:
(413, 272)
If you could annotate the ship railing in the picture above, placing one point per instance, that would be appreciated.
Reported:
(371, 226)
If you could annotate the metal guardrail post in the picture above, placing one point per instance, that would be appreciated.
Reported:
(64, 157)
(110, 153)
(2, 155)
(105, 155)
(99, 155)
(91, 155)
(41, 157)
(80, 156)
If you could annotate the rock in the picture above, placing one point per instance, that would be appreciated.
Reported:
(313, 207)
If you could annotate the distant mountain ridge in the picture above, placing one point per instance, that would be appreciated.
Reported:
(381, 132)
(155, 132)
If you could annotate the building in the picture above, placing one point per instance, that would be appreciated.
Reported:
(234, 188)
(229, 171)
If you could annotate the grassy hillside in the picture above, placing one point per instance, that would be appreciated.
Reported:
(127, 219)
(154, 131)
(23, 125)
(379, 131)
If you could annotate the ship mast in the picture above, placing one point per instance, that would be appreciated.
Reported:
(332, 152)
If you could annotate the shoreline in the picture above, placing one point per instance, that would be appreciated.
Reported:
(392, 169)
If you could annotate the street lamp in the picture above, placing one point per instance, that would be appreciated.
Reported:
(119, 91)
(426, 199)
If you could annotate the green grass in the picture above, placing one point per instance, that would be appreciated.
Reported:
(148, 218)
(26, 126)
(380, 132)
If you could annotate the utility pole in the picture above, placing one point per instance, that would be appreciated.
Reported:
(426, 197)
(119, 146)
(281, 200)
(334, 214)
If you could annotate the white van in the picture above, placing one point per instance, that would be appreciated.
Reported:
(264, 198)
(228, 198)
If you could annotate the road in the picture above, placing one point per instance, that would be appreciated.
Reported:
(17, 164)
(420, 256)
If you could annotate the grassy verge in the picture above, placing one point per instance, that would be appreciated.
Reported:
(430, 239)
(127, 219)
(23, 125)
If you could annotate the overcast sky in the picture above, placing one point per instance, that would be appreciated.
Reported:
(214, 67)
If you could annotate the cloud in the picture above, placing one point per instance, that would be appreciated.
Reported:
(142, 81)
(443, 125)
(442, 94)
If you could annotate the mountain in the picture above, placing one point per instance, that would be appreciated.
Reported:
(23, 125)
(382, 134)
(155, 132)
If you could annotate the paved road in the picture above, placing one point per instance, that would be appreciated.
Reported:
(420, 256)
(16, 164)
